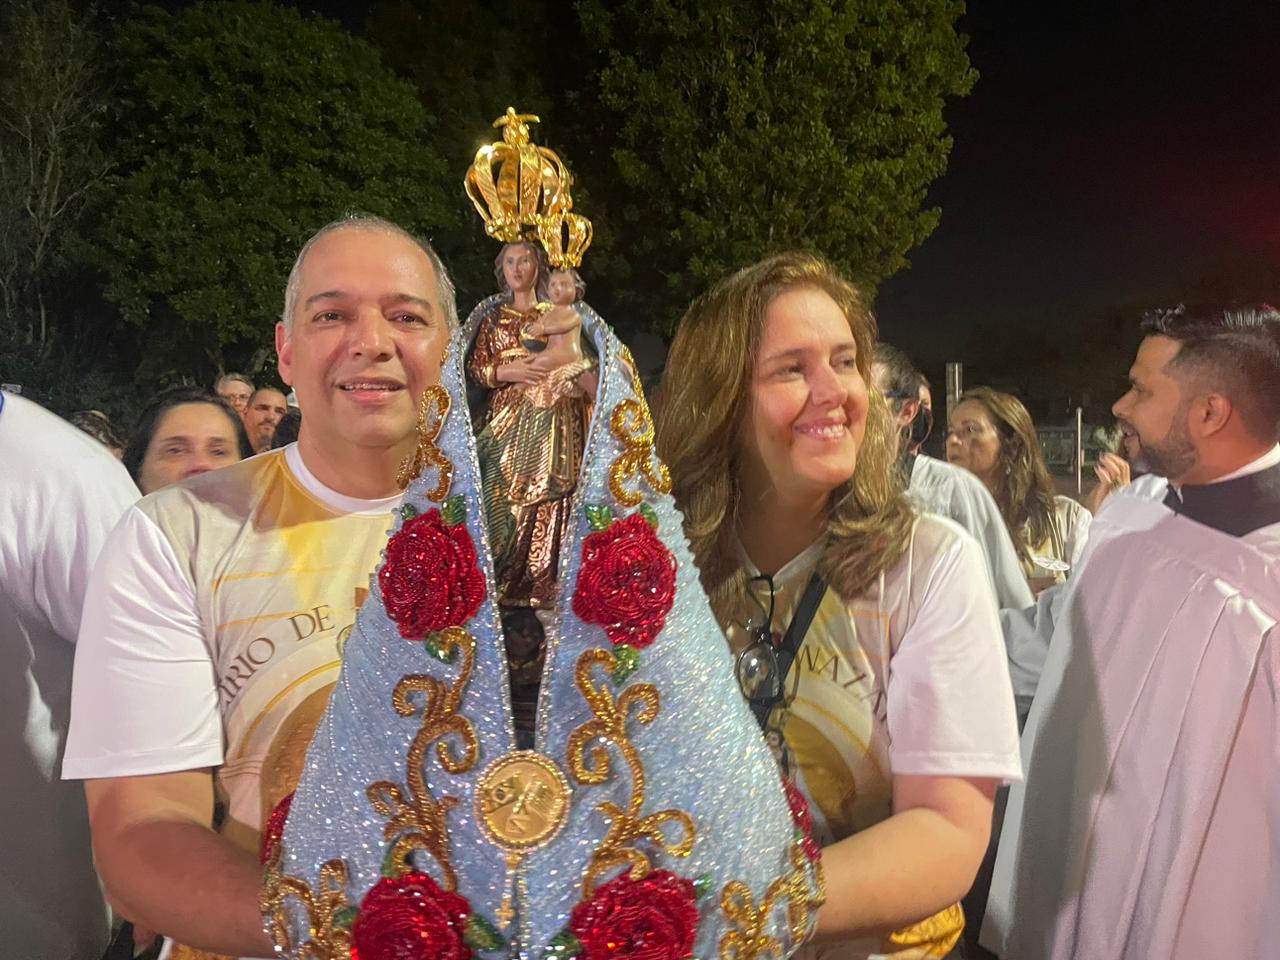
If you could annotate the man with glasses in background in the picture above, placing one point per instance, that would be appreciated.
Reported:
(236, 389)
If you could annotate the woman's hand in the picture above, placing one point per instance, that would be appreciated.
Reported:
(1113, 473)
(526, 370)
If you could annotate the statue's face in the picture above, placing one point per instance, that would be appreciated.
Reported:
(520, 267)
(561, 288)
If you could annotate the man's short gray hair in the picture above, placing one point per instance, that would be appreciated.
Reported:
(227, 378)
(368, 221)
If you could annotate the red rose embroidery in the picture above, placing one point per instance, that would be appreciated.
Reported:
(274, 829)
(627, 583)
(430, 579)
(410, 918)
(803, 819)
(650, 919)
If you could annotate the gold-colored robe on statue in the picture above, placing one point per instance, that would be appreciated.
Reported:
(530, 452)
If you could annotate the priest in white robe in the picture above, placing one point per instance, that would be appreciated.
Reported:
(1149, 824)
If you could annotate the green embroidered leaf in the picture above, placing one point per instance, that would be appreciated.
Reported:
(455, 510)
(564, 944)
(344, 918)
(599, 516)
(702, 884)
(437, 650)
(650, 515)
(393, 867)
(628, 662)
(408, 511)
(480, 934)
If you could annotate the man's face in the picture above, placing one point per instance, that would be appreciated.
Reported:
(1153, 414)
(266, 407)
(369, 335)
(236, 393)
(905, 409)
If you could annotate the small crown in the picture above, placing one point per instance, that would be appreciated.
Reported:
(522, 192)
(565, 237)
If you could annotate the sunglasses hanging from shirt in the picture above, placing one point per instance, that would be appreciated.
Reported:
(763, 665)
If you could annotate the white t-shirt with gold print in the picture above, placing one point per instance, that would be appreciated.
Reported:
(213, 628)
(909, 678)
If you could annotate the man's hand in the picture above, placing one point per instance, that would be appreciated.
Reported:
(164, 868)
(1113, 473)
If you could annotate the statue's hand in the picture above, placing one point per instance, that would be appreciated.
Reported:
(521, 371)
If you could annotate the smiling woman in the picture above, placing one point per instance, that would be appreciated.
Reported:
(865, 637)
(182, 433)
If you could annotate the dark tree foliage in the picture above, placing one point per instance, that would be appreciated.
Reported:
(469, 60)
(736, 128)
(52, 106)
(243, 127)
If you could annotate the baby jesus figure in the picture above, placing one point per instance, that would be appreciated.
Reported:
(557, 335)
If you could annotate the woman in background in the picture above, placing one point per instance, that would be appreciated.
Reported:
(991, 435)
(185, 431)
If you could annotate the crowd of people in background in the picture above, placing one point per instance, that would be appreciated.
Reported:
(185, 431)
(941, 606)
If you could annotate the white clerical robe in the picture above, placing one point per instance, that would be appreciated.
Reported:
(1149, 823)
(953, 492)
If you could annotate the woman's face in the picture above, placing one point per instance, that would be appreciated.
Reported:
(808, 399)
(973, 442)
(520, 267)
(190, 438)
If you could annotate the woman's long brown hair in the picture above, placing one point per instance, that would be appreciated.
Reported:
(699, 414)
(1023, 489)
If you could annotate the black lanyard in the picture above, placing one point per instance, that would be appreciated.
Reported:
(791, 640)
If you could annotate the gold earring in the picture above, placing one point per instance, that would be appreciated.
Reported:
(431, 418)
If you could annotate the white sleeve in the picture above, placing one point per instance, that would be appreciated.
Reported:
(143, 696)
(974, 508)
(950, 704)
(1012, 589)
(74, 531)
(1027, 633)
(1078, 535)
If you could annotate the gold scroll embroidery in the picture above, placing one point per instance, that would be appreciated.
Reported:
(418, 822)
(329, 941)
(436, 400)
(749, 937)
(413, 824)
(633, 428)
(590, 764)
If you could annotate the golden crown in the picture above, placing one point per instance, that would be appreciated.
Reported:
(522, 191)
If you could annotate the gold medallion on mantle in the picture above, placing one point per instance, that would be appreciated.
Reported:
(522, 801)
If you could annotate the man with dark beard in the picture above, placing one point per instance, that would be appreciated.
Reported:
(1152, 801)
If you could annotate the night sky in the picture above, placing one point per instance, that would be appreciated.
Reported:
(1109, 153)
